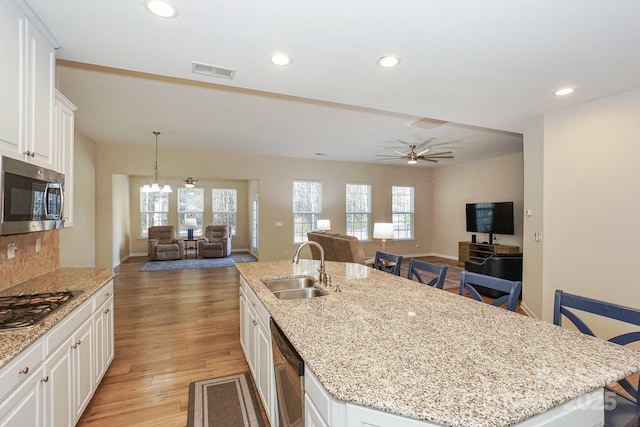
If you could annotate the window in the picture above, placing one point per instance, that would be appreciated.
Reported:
(402, 212)
(225, 207)
(190, 205)
(154, 210)
(307, 199)
(358, 210)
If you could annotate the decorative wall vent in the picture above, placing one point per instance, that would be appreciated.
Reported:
(212, 70)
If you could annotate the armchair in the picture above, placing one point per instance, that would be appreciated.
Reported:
(216, 242)
(164, 243)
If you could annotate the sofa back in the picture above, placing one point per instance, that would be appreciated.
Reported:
(337, 247)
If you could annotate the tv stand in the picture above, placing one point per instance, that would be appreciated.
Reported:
(479, 251)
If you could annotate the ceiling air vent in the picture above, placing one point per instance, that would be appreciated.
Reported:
(426, 123)
(212, 70)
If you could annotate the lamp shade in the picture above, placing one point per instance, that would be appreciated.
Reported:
(324, 224)
(383, 230)
(190, 222)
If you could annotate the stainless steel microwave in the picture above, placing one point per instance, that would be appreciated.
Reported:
(32, 197)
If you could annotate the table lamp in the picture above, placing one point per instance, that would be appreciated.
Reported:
(324, 225)
(190, 222)
(384, 231)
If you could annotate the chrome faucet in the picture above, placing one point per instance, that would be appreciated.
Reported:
(324, 277)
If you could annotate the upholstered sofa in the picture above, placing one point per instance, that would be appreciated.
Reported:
(164, 243)
(216, 242)
(338, 247)
(504, 266)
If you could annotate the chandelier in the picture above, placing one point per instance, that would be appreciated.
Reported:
(154, 186)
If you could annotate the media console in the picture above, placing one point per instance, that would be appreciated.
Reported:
(479, 251)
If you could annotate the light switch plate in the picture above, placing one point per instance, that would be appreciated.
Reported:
(11, 251)
(38, 244)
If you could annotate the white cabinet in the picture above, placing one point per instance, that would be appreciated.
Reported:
(103, 331)
(11, 84)
(312, 417)
(28, 77)
(64, 118)
(21, 392)
(255, 338)
(23, 407)
(51, 383)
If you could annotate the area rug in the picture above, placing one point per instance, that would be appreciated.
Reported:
(187, 264)
(224, 402)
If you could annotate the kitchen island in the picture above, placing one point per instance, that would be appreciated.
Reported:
(403, 348)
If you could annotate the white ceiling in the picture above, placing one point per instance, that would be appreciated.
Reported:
(492, 64)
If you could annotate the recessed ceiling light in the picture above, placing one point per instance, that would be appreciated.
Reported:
(280, 59)
(161, 8)
(388, 61)
(564, 91)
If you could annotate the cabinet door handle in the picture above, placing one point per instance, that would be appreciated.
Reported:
(254, 322)
(30, 153)
(107, 295)
(25, 370)
(78, 342)
(107, 311)
(45, 379)
(253, 304)
(74, 346)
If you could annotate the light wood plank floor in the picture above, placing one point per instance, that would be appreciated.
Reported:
(171, 328)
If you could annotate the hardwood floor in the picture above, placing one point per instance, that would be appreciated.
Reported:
(171, 328)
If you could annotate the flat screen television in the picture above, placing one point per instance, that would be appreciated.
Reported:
(492, 218)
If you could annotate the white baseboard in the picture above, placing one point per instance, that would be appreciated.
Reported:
(528, 311)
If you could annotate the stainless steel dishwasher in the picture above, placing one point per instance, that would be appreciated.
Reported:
(288, 368)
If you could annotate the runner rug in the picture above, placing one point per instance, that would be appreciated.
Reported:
(188, 264)
(224, 402)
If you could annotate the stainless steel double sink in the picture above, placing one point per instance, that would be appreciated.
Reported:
(293, 288)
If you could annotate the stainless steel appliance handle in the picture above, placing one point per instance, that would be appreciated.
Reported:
(47, 187)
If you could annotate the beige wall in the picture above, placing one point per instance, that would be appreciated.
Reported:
(121, 236)
(591, 200)
(78, 243)
(275, 176)
(532, 295)
(499, 179)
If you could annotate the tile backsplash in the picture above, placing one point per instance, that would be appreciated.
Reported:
(28, 263)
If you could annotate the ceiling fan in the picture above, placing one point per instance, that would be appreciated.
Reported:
(413, 156)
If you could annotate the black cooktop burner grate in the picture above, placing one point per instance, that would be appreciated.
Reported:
(22, 311)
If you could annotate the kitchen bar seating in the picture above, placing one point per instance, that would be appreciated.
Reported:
(418, 268)
(468, 280)
(387, 262)
(626, 411)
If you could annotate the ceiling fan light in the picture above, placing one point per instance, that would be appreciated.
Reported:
(190, 182)
(412, 161)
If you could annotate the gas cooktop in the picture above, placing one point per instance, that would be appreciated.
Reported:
(23, 311)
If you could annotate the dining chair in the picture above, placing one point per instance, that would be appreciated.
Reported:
(512, 288)
(388, 262)
(418, 269)
(626, 410)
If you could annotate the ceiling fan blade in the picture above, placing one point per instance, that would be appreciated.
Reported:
(440, 144)
(425, 142)
(423, 152)
(403, 154)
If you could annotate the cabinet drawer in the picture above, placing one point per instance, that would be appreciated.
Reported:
(20, 368)
(67, 326)
(103, 295)
(260, 309)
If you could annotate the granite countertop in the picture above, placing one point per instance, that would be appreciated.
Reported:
(397, 346)
(88, 280)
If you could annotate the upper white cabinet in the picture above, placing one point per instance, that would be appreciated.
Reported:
(64, 116)
(27, 82)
